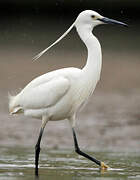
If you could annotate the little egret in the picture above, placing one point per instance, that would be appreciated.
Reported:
(59, 94)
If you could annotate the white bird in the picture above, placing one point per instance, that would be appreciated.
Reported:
(59, 94)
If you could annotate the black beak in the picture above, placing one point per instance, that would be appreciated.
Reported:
(112, 21)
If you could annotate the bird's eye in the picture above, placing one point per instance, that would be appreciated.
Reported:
(93, 16)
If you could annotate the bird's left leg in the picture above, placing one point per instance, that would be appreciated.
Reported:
(77, 149)
(37, 146)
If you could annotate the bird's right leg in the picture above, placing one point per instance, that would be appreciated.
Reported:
(37, 146)
(78, 151)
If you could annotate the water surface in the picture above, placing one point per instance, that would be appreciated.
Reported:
(18, 164)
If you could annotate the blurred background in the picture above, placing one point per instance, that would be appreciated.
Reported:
(111, 119)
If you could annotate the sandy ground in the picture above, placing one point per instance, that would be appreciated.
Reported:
(110, 120)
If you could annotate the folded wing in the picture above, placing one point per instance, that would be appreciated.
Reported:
(44, 95)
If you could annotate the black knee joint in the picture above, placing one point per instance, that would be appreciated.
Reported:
(77, 150)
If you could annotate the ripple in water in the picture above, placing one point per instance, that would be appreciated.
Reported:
(18, 163)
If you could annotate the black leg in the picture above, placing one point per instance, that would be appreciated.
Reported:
(77, 150)
(37, 151)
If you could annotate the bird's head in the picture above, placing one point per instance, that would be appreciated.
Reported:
(89, 18)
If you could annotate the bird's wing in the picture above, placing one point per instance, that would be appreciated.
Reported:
(45, 95)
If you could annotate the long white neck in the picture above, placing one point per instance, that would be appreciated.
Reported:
(94, 59)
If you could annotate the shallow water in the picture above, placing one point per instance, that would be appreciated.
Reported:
(18, 164)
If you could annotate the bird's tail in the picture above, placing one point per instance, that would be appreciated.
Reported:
(14, 107)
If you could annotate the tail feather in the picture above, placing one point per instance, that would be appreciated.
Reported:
(14, 107)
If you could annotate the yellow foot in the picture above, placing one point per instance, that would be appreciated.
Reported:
(104, 166)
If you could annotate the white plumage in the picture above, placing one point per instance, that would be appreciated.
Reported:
(59, 94)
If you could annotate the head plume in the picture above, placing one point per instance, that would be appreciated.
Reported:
(59, 39)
